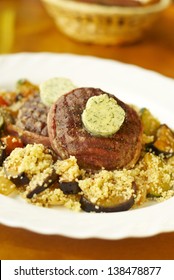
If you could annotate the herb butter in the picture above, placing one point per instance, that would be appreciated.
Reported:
(102, 116)
(52, 89)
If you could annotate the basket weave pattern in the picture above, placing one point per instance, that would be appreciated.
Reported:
(101, 28)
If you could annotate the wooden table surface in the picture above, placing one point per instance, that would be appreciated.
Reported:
(30, 29)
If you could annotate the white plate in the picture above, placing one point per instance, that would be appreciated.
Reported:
(129, 83)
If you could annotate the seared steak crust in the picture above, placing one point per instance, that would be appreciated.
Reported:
(28, 137)
(69, 137)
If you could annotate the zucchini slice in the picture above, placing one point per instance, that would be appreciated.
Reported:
(164, 142)
(149, 122)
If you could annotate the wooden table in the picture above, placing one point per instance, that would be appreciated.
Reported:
(30, 29)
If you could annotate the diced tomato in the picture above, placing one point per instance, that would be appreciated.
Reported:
(3, 102)
(11, 142)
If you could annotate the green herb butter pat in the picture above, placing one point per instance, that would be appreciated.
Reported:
(52, 89)
(102, 116)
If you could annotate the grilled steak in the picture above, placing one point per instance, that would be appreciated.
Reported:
(31, 122)
(28, 137)
(69, 137)
(32, 116)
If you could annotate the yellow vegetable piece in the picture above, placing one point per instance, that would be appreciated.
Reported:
(6, 186)
(149, 122)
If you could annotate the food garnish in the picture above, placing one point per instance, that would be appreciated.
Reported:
(53, 88)
(102, 115)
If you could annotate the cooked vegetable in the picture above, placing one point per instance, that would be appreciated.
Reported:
(12, 173)
(2, 153)
(10, 143)
(24, 88)
(69, 187)
(7, 98)
(112, 206)
(164, 142)
(6, 115)
(1, 121)
(170, 160)
(44, 181)
(3, 102)
(6, 186)
(157, 167)
(150, 123)
(19, 179)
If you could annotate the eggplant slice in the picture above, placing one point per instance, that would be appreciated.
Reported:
(117, 206)
(47, 181)
(19, 179)
(69, 187)
(88, 206)
(2, 153)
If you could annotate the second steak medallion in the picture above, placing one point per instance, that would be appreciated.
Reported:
(33, 116)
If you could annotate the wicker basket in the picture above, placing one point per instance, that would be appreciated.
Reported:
(103, 24)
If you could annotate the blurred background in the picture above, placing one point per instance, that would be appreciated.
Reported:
(25, 26)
